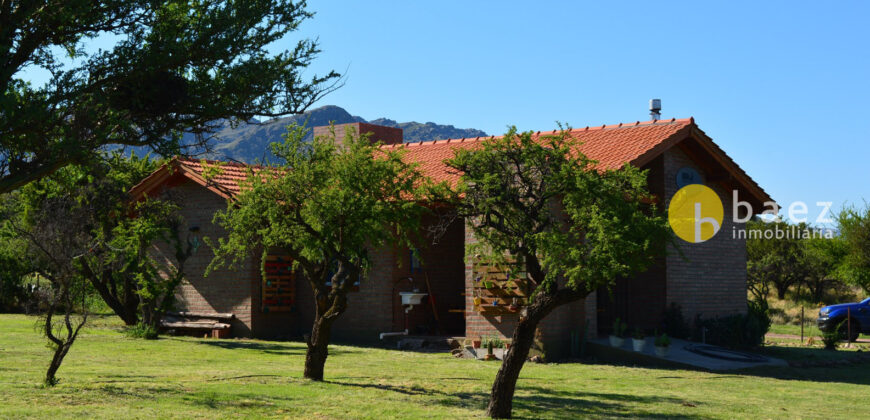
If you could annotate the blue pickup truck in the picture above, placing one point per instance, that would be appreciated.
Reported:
(835, 317)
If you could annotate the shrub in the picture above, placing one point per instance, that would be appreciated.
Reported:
(663, 341)
(738, 331)
(141, 330)
(638, 334)
(830, 339)
(674, 324)
(619, 327)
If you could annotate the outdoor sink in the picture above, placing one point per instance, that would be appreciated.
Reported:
(412, 298)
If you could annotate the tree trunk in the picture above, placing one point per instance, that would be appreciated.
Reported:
(780, 291)
(59, 353)
(501, 399)
(318, 348)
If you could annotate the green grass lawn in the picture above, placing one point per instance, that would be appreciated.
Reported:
(107, 375)
(809, 329)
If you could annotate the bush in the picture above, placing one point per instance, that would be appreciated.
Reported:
(141, 330)
(619, 327)
(663, 341)
(830, 338)
(736, 331)
(674, 324)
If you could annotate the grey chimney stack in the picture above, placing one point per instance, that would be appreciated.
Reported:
(655, 109)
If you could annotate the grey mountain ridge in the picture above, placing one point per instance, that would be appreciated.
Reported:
(249, 142)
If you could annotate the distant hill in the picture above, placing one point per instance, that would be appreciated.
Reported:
(250, 141)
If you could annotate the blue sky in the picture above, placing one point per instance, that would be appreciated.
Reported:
(782, 87)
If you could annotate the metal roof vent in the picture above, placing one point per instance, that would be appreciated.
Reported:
(655, 109)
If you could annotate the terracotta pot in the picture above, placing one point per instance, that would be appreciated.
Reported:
(475, 344)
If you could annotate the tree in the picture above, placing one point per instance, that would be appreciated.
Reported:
(822, 264)
(176, 67)
(57, 239)
(854, 225)
(326, 207)
(772, 260)
(571, 227)
(120, 264)
(14, 262)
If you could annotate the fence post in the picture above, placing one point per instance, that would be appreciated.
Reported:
(802, 325)
(848, 327)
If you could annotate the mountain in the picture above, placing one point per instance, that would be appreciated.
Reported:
(249, 142)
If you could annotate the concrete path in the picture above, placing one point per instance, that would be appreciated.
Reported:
(679, 353)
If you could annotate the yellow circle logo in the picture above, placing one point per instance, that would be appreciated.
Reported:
(695, 213)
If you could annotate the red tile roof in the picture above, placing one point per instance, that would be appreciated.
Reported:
(612, 146)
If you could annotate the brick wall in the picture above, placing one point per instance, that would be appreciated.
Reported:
(443, 263)
(711, 280)
(224, 290)
(368, 309)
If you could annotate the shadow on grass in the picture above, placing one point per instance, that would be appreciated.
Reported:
(269, 347)
(858, 373)
(582, 404)
(563, 404)
(246, 400)
(141, 392)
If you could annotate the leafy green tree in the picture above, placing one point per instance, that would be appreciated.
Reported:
(14, 263)
(571, 227)
(854, 225)
(326, 207)
(56, 235)
(121, 262)
(773, 261)
(176, 67)
(822, 265)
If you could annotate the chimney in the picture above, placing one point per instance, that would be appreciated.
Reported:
(655, 109)
(387, 135)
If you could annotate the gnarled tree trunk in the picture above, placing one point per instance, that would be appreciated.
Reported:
(330, 303)
(318, 348)
(501, 399)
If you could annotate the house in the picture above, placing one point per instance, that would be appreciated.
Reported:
(707, 278)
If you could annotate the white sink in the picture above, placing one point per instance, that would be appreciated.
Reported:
(412, 298)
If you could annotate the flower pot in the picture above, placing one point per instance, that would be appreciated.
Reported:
(475, 344)
(638, 345)
(616, 341)
(662, 351)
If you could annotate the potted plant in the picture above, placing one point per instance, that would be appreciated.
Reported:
(662, 345)
(638, 340)
(616, 339)
(476, 343)
(489, 346)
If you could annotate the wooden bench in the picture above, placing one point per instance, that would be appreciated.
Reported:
(215, 325)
